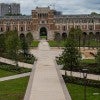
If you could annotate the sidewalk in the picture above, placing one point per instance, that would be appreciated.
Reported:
(46, 82)
(14, 76)
(21, 64)
(80, 75)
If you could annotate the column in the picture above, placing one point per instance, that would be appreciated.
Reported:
(18, 26)
(87, 26)
(25, 27)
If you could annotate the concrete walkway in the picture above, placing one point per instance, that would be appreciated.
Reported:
(54, 53)
(21, 64)
(80, 75)
(14, 77)
(46, 82)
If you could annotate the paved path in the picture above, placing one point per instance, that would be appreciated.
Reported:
(45, 81)
(54, 52)
(21, 64)
(14, 77)
(78, 74)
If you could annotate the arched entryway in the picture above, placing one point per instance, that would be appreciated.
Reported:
(43, 33)
(64, 36)
(22, 36)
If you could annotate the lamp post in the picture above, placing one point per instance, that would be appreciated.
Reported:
(84, 76)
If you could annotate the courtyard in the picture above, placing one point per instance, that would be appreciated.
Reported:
(44, 66)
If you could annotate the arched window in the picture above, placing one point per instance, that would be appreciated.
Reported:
(64, 36)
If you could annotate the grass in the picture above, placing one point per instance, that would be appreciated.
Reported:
(88, 61)
(43, 37)
(13, 89)
(9, 70)
(34, 44)
(61, 44)
(55, 44)
(77, 92)
(4, 73)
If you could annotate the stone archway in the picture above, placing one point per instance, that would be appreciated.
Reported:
(43, 33)
(64, 36)
(22, 36)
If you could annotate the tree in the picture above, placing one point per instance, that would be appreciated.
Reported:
(75, 34)
(57, 38)
(90, 38)
(78, 33)
(94, 13)
(70, 58)
(84, 39)
(72, 33)
(98, 58)
(2, 43)
(29, 38)
(24, 46)
(12, 45)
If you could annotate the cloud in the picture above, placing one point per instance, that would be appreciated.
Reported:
(66, 6)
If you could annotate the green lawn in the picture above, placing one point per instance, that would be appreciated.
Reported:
(43, 37)
(9, 70)
(55, 44)
(61, 44)
(34, 44)
(88, 61)
(77, 92)
(4, 73)
(13, 89)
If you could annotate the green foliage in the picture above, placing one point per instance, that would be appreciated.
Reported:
(2, 43)
(72, 33)
(94, 13)
(71, 56)
(24, 46)
(12, 45)
(14, 69)
(80, 81)
(29, 58)
(57, 38)
(98, 58)
(29, 38)
(76, 34)
(34, 43)
(9, 14)
(53, 43)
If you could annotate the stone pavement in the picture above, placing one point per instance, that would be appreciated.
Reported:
(14, 76)
(80, 75)
(21, 64)
(46, 82)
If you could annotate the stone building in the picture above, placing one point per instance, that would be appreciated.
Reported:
(46, 21)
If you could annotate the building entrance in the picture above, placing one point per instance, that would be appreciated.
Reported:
(43, 33)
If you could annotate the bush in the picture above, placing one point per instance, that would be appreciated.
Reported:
(29, 58)
(15, 69)
(80, 81)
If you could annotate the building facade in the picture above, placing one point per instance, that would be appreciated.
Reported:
(47, 21)
(12, 8)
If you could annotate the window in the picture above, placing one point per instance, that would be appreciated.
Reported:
(22, 29)
(1, 29)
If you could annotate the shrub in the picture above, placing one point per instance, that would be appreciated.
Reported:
(80, 81)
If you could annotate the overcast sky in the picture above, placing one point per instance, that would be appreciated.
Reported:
(66, 6)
